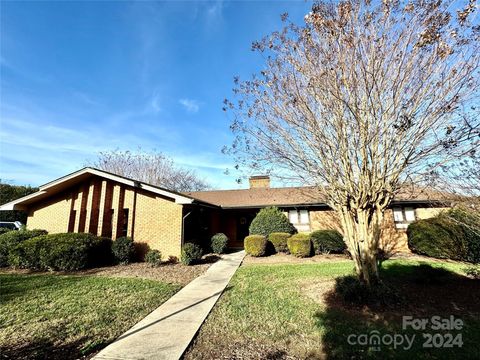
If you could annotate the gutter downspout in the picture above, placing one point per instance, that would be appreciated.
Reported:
(183, 226)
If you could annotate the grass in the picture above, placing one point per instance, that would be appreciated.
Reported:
(291, 311)
(58, 317)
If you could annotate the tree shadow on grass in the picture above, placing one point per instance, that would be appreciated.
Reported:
(15, 286)
(51, 349)
(349, 328)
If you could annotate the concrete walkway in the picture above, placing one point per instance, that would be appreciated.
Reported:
(167, 331)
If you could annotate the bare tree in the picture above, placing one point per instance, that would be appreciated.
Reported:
(151, 167)
(360, 99)
(460, 181)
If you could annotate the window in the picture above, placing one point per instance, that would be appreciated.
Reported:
(304, 217)
(409, 214)
(124, 229)
(299, 217)
(293, 216)
(403, 216)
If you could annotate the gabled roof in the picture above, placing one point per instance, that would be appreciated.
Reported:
(76, 177)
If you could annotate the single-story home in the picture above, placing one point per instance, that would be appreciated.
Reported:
(105, 204)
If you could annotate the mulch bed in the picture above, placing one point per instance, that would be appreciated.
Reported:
(167, 272)
(281, 258)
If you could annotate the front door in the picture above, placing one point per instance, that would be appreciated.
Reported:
(243, 225)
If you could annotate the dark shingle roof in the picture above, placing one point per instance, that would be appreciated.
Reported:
(293, 196)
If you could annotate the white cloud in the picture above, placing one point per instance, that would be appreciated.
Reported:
(155, 103)
(215, 11)
(192, 106)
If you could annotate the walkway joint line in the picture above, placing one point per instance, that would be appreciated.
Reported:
(168, 331)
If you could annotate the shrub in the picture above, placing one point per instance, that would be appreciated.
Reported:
(4, 230)
(446, 236)
(472, 271)
(327, 241)
(351, 290)
(219, 243)
(10, 239)
(279, 241)
(191, 254)
(300, 245)
(123, 250)
(469, 221)
(270, 220)
(255, 245)
(153, 257)
(66, 252)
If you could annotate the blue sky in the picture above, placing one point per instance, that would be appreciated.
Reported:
(82, 77)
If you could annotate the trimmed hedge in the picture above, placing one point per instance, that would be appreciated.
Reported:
(124, 250)
(270, 220)
(191, 254)
(327, 241)
(439, 237)
(66, 252)
(279, 241)
(219, 243)
(10, 239)
(5, 230)
(300, 245)
(469, 221)
(153, 257)
(255, 245)
(452, 234)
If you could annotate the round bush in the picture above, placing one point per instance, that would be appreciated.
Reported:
(279, 241)
(153, 257)
(191, 254)
(437, 237)
(5, 230)
(255, 245)
(469, 222)
(66, 252)
(10, 239)
(351, 290)
(124, 250)
(270, 220)
(219, 243)
(300, 245)
(327, 241)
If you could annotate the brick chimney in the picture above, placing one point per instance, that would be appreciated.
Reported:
(259, 181)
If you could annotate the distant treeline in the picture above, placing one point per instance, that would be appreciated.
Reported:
(12, 192)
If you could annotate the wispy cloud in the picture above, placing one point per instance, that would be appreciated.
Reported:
(214, 11)
(155, 102)
(190, 105)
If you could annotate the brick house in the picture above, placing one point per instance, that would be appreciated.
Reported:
(105, 204)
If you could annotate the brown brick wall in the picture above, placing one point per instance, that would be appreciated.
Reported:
(153, 221)
(392, 240)
(52, 215)
(158, 224)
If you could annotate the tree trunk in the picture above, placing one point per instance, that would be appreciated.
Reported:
(362, 230)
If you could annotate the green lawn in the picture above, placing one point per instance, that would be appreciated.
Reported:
(60, 317)
(291, 311)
